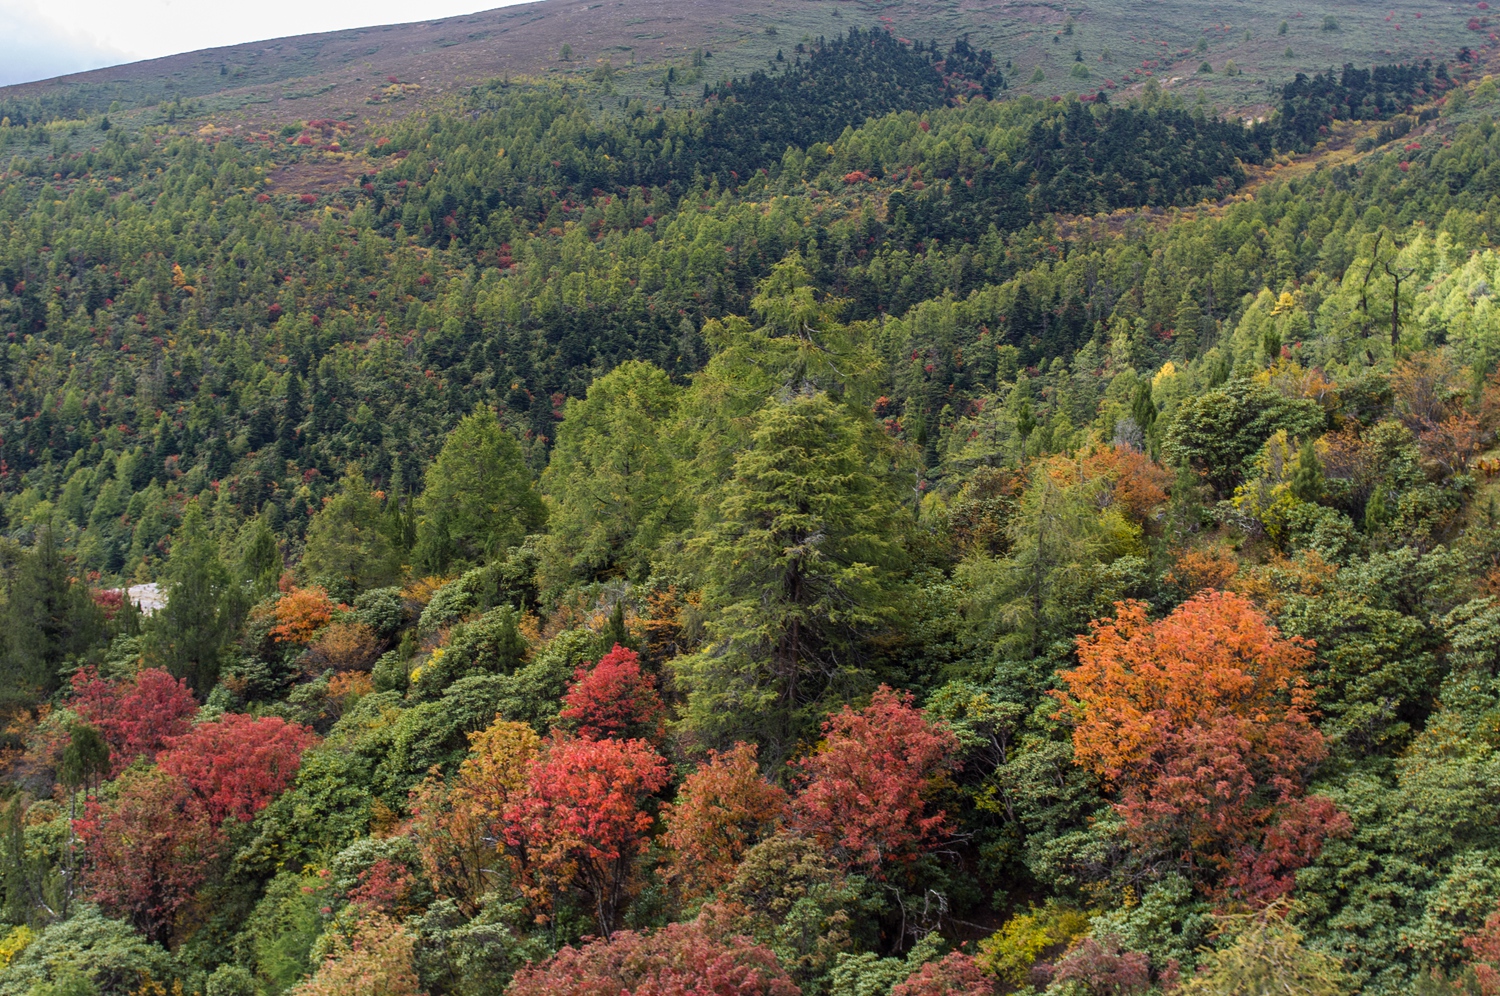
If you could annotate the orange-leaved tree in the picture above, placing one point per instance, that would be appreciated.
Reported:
(722, 809)
(300, 613)
(459, 823)
(1201, 724)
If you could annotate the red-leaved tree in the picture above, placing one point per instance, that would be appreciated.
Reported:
(237, 764)
(1484, 947)
(868, 785)
(147, 849)
(954, 975)
(721, 811)
(136, 717)
(1201, 725)
(682, 959)
(582, 820)
(614, 698)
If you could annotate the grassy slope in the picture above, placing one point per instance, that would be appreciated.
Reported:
(344, 74)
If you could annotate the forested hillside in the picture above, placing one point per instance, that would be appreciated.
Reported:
(859, 532)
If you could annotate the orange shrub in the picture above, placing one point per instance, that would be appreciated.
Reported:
(1137, 483)
(1194, 570)
(300, 613)
(345, 646)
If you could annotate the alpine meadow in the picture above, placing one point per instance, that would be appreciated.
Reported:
(770, 498)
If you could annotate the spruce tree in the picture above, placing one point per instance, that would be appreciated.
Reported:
(1307, 478)
(48, 619)
(612, 483)
(346, 542)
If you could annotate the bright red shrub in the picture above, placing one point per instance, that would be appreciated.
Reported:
(582, 820)
(867, 785)
(955, 975)
(1485, 947)
(136, 717)
(237, 764)
(682, 959)
(722, 809)
(1201, 724)
(614, 699)
(147, 849)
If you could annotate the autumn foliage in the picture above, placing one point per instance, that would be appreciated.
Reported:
(1135, 482)
(373, 958)
(459, 823)
(138, 717)
(1201, 726)
(954, 975)
(867, 786)
(237, 764)
(147, 849)
(300, 613)
(1484, 948)
(682, 959)
(344, 646)
(582, 820)
(722, 809)
(614, 699)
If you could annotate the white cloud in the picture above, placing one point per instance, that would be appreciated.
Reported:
(41, 38)
(34, 45)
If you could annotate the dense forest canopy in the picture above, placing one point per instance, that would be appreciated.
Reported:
(862, 534)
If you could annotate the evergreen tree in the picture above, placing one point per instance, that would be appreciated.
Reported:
(204, 606)
(260, 562)
(345, 540)
(48, 619)
(794, 573)
(1307, 478)
(478, 500)
(1189, 321)
(612, 484)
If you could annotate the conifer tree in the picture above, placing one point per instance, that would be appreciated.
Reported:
(203, 609)
(794, 572)
(48, 618)
(346, 542)
(612, 481)
(478, 500)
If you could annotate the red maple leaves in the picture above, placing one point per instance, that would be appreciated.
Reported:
(614, 698)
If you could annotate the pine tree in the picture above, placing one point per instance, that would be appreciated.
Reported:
(1307, 478)
(1189, 322)
(612, 481)
(346, 544)
(260, 563)
(48, 619)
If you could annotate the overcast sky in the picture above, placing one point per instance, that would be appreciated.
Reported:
(44, 38)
